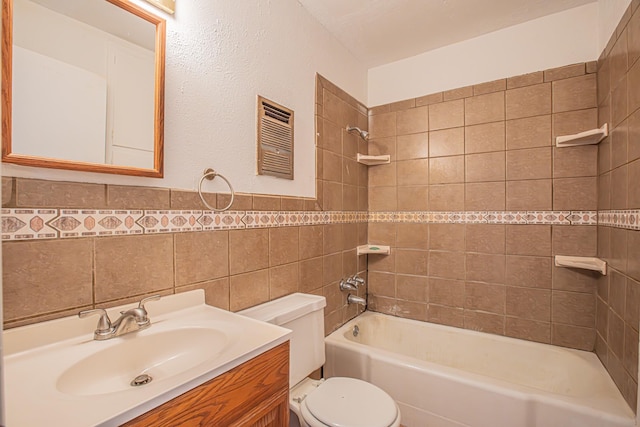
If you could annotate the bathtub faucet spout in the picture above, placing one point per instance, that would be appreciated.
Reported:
(352, 299)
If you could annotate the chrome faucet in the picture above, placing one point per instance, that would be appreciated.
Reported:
(351, 283)
(352, 299)
(131, 320)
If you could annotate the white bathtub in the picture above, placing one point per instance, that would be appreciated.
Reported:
(449, 377)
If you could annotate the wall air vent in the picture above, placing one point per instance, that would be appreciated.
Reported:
(275, 139)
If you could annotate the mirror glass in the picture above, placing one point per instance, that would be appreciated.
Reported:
(83, 86)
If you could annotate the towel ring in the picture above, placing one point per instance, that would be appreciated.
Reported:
(210, 174)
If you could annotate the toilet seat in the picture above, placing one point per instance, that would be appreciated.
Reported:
(348, 402)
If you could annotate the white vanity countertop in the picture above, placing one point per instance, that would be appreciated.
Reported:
(39, 360)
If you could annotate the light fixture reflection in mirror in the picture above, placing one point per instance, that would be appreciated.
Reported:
(83, 86)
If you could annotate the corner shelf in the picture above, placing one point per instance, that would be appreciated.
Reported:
(373, 160)
(373, 249)
(589, 137)
(586, 263)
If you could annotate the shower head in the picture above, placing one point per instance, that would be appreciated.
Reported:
(363, 133)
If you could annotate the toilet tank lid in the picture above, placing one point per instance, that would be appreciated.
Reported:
(286, 309)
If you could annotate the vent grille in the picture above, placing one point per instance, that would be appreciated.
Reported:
(275, 139)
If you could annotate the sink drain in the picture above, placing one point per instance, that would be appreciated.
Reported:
(141, 380)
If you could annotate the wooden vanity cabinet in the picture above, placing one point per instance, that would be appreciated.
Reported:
(254, 394)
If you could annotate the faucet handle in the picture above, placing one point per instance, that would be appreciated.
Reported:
(104, 323)
(146, 300)
(357, 279)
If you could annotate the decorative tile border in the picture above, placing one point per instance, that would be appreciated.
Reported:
(27, 224)
(628, 219)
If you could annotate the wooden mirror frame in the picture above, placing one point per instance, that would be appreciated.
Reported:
(45, 162)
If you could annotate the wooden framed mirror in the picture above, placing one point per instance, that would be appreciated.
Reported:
(83, 86)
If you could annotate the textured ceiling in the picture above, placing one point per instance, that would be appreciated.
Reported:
(383, 31)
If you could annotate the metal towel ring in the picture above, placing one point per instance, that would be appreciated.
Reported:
(210, 174)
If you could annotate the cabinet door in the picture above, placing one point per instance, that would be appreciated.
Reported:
(255, 393)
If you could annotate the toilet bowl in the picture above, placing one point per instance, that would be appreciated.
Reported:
(332, 402)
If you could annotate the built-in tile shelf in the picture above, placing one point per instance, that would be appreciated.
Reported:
(373, 249)
(374, 160)
(584, 263)
(589, 137)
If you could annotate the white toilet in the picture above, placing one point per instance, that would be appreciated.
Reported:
(335, 402)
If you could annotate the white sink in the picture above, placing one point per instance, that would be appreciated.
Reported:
(56, 374)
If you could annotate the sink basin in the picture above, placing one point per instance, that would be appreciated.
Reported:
(56, 374)
(159, 355)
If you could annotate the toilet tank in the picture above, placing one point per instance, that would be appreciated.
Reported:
(303, 314)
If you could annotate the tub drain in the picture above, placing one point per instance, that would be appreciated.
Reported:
(141, 380)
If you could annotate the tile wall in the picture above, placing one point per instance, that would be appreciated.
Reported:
(483, 157)
(71, 246)
(618, 301)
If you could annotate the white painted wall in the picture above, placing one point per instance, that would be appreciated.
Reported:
(220, 55)
(551, 41)
(609, 14)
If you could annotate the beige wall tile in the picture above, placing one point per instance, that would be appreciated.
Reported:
(383, 199)
(579, 162)
(247, 290)
(382, 284)
(383, 233)
(35, 193)
(413, 146)
(132, 265)
(619, 188)
(534, 240)
(485, 268)
(447, 237)
(283, 280)
(446, 142)
(565, 72)
(489, 87)
(529, 132)
(573, 336)
(529, 195)
(446, 170)
(528, 330)
(618, 58)
(128, 197)
(485, 297)
(604, 191)
(525, 80)
(572, 308)
(44, 276)
(446, 265)
(332, 268)
(201, 256)
(411, 310)
(446, 197)
(633, 38)
(485, 196)
(349, 197)
(630, 359)
(446, 115)
(603, 78)
(412, 288)
(633, 83)
(577, 240)
(216, 292)
(485, 167)
(485, 137)
(484, 322)
(433, 98)
(485, 238)
(7, 191)
(412, 262)
(633, 260)
(413, 198)
(443, 315)
(618, 258)
(619, 138)
(415, 120)
(379, 146)
(332, 238)
(332, 196)
(458, 93)
(283, 245)
(402, 105)
(529, 303)
(248, 250)
(632, 303)
(310, 243)
(633, 174)
(575, 93)
(382, 125)
(619, 102)
(331, 137)
(383, 175)
(528, 271)
(413, 172)
(292, 203)
(412, 236)
(575, 193)
(379, 109)
(528, 101)
(269, 203)
(447, 292)
(242, 202)
(484, 108)
(534, 163)
(575, 280)
(310, 275)
(190, 200)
